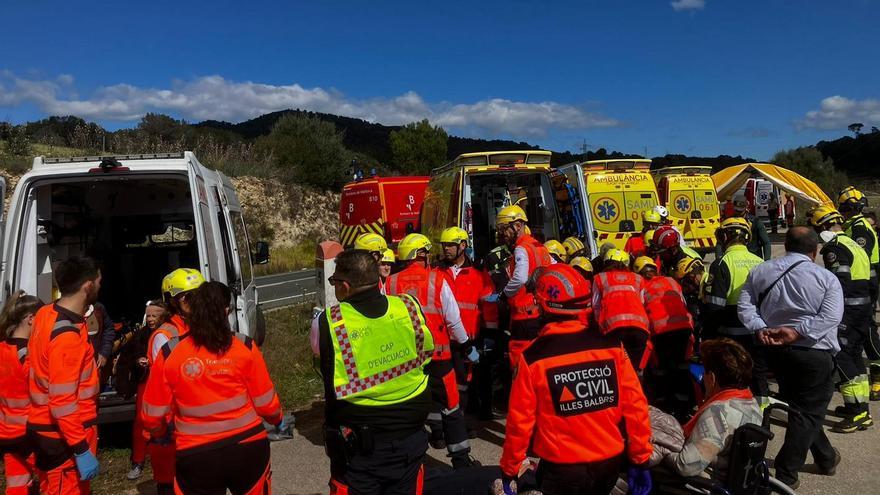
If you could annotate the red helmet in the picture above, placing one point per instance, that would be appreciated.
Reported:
(561, 290)
(665, 237)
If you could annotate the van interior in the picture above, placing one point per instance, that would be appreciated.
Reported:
(138, 228)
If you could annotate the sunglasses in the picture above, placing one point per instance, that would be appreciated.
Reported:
(334, 281)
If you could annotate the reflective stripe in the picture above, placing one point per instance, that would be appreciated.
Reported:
(442, 348)
(13, 419)
(664, 322)
(429, 307)
(62, 388)
(619, 288)
(88, 393)
(155, 411)
(458, 447)
(717, 301)
(39, 399)
(219, 407)
(22, 353)
(734, 330)
(841, 269)
(625, 316)
(434, 416)
(63, 324)
(86, 374)
(10, 402)
(59, 412)
(467, 306)
(856, 301)
(213, 427)
(264, 399)
(43, 382)
(18, 480)
(873, 272)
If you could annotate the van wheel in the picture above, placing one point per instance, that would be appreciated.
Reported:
(260, 331)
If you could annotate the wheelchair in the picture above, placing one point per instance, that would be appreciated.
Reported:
(748, 473)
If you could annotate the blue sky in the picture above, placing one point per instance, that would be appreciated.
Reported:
(699, 77)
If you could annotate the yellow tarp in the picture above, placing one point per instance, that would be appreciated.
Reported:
(731, 179)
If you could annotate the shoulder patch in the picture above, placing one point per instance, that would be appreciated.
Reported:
(830, 257)
(861, 241)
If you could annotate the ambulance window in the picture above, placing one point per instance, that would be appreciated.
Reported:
(507, 159)
(244, 247)
(231, 275)
(539, 159)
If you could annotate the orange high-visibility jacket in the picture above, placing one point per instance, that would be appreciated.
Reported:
(15, 404)
(522, 304)
(572, 391)
(173, 330)
(618, 303)
(425, 284)
(216, 400)
(666, 307)
(469, 287)
(635, 245)
(63, 381)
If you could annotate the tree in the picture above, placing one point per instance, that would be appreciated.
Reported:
(308, 150)
(18, 142)
(809, 162)
(856, 128)
(874, 129)
(418, 147)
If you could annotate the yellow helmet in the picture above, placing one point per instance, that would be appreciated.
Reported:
(510, 214)
(454, 235)
(572, 245)
(642, 262)
(556, 247)
(648, 237)
(851, 198)
(822, 214)
(651, 216)
(371, 242)
(388, 256)
(409, 247)
(527, 230)
(687, 265)
(180, 281)
(617, 255)
(582, 263)
(736, 223)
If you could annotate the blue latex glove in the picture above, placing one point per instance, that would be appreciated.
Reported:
(473, 355)
(492, 298)
(508, 487)
(283, 428)
(87, 465)
(639, 480)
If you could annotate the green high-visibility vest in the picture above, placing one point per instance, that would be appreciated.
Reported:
(861, 266)
(691, 253)
(739, 263)
(874, 255)
(380, 361)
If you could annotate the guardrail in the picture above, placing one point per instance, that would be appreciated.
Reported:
(285, 289)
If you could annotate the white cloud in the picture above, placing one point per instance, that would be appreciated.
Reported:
(837, 112)
(214, 97)
(679, 5)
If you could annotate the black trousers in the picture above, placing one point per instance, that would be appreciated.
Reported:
(669, 382)
(487, 374)
(853, 333)
(805, 379)
(759, 385)
(237, 468)
(447, 415)
(578, 479)
(635, 342)
(393, 468)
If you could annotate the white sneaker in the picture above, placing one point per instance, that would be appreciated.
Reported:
(136, 471)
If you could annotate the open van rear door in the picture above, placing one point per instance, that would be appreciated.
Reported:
(3, 294)
(242, 280)
(575, 191)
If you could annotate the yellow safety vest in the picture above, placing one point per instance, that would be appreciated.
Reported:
(739, 263)
(861, 266)
(380, 361)
(874, 255)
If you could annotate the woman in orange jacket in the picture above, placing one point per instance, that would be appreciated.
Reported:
(217, 387)
(16, 323)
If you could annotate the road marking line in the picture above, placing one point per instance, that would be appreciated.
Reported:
(288, 297)
(282, 283)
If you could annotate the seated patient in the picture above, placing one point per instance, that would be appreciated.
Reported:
(729, 404)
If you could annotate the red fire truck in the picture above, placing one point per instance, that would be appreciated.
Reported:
(388, 206)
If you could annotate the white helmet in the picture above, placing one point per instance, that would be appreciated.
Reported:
(662, 211)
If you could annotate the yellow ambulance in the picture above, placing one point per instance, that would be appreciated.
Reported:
(689, 195)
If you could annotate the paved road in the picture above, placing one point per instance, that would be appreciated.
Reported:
(283, 289)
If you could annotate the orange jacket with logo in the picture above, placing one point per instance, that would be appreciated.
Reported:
(15, 404)
(572, 392)
(618, 301)
(522, 304)
(425, 284)
(665, 306)
(216, 400)
(469, 287)
(63, 382)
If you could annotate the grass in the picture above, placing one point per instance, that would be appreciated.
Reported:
(284, 259)
(289, 359)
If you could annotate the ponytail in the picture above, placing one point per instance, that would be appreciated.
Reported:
(18, 307)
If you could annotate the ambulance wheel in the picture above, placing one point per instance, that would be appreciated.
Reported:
(260, 330)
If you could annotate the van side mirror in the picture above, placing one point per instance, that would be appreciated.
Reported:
(696, 215)
(261, 255)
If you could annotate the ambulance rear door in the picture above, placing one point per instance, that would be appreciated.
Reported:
(574, 220)
(617, 201)
(693, 205)
(401, 200)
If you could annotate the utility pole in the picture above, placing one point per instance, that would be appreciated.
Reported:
(584, 148)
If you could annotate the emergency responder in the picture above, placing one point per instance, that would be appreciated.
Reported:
(599, 260)
(432, 289)
(385, 264)
(672, 329)
(470, 286)
(849, 262)
(851, 202)
(374, 421)
(667, 246)
(218, 386)
(373, 243)
(619, 306)
(16, 326)
(636, 245)
(691, 276)
(574, 247)
(759, 241)
(528, 256)
(556, 250)
(665, 221)
(583, 266)
(63, 383)
(573, 389)
(727, 275)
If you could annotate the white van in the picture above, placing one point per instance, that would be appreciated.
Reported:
(140, 217)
